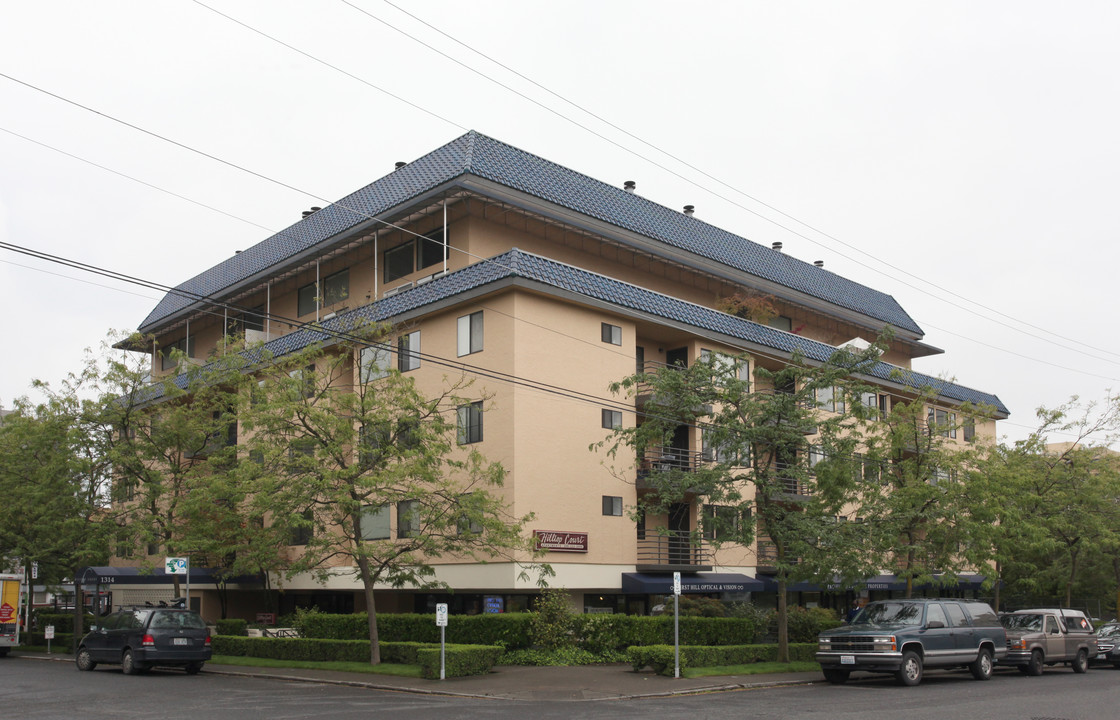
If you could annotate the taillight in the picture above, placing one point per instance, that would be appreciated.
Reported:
(148, 641)
(207, 638)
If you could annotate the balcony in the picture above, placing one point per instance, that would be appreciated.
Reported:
(673, 551)
(767, 557)
(667, 459)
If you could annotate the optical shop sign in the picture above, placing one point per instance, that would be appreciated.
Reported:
(561, 541)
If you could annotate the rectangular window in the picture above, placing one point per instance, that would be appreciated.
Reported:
(371, 439)
(431, 250)
(374, 362)
(721, 522)
(253, 319)
(781, 322)
(640, 358)
(641, 524)
(465, 525)
(336, 287)
(612, 334)
(816, 455)
(942, 422)
(712, 452)
(470, 334)
(612, 505)
(470, 423)
(303, 531)
(408, 351)
(375, 522)
(969, 429)
(612, 419)
(184, 345)
(399, 261)
(408, 518)
(831, 399)
(306, 299)
(305, 381)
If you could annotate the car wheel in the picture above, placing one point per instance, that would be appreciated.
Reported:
(981, 667)
(1034, 667)
(84, 661)
(194, 668)
(1080, 663)
(836, 677)
(909, 673)
(129, 665)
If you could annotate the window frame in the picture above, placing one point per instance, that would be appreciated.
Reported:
(432, 238)
(408, 520)
(612, 506)
(611, 334)
(379, 514)
(609, 419)
(469, 334)
(374, 358)
(408, 351)
(389, 259)
(468, 423)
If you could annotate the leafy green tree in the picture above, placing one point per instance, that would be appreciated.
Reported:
(787, 470)
(370, 476)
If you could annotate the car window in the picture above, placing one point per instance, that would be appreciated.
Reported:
(1050, 624)
(934, 613)
(108, 622)
(956, 615)
(167, 620)
(1030, 622)
(982, 614)
(1077, 624)
(879, 613)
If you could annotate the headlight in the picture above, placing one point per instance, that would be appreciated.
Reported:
(824, 644)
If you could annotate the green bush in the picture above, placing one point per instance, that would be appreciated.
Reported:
(232, 626)
(510, 630)
(459, 660)
(61, 642)
(660, 657)
(318, 650)
(63, 622)
(805, 624)
(553, 624)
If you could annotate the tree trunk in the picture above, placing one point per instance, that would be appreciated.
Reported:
(371, 611)
(995, 587)
(783, 620)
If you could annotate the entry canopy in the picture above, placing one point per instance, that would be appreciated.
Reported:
(691, 583)
(108, 575)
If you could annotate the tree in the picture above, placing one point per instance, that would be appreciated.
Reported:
(346, 443)
(784, 469)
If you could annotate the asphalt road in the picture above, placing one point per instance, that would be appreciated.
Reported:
(33, 689)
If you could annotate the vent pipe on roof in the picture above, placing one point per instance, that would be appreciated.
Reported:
(312, 211)
(819, 263)
(776, 246)
(399, 165)
(689, 209)
(629, 186)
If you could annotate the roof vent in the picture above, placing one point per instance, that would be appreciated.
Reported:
(776, 246)
(399, 165)
(629, 186)
(819, 263)
(312, 211)
(689, 209)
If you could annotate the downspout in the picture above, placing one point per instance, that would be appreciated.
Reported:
(375, 287)
(318, 289)
(268, 311)
(445, 248)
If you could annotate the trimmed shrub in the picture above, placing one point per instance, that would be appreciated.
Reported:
(63, 622)
(660, 657)
(459, 660)
(553, 625)
(62, 641)
(805, 624)
(510, 630)
(232, 626)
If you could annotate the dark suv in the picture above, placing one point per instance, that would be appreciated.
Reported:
(143, 637)
(904, 636)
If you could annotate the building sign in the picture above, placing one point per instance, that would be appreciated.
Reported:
(559, 541)
(493, 604)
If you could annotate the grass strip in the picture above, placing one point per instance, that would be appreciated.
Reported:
(758, 668)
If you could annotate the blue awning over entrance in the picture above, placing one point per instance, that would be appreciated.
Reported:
(691, 583)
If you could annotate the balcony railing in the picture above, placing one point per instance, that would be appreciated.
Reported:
(673, 550)
(665, 459)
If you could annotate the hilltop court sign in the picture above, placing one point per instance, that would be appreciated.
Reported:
(561, 541)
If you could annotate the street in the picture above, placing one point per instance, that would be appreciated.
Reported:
(36, 689)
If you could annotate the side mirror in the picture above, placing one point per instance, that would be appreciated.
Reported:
(934, 624)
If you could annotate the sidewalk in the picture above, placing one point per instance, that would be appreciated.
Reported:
(514, 682)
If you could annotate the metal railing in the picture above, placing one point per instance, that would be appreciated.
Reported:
(673, 548)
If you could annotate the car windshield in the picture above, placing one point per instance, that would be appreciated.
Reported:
(883, 613)
(1022, 622)
(1109, 631)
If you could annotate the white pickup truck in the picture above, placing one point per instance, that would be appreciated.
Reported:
(1048, 636)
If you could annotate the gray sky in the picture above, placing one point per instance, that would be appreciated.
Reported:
(961, 156)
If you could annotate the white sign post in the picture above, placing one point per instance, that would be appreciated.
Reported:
(180, 566)
(48, 633)
(441, 623)
(676, 625)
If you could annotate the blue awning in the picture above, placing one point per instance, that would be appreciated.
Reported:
(691, 583)
(107, 575)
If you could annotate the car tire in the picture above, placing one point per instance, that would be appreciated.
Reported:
(129, 666)
(1034, 667)
(84, 661)
(909, 673)
(1080, 663)
(836, 677)
(194, 668)
(981, 667)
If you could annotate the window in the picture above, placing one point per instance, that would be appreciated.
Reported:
(375, 522)
(869, 399)
(969, 429)
(306, 300)
(612, 419)
(715, 452)
(781, 322)
(431, 250)
(612, 334)
(934, 613)
(252, 319)
(612, 505)
(371, 438)
(465, 524)
(408, 518)
(153, 548)
(183, 345)
(305, 381)
(301, 454)
(336, 287)
(470, 333)
(942, 422)
(816, 455)
(399, 261)
(831, 399)
(302, 530)
(374, 362)
(470, 423)
(408, 351)
(641, 524)
(721, 522)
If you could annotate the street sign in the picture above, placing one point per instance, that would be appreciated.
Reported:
(48, 632)
(441, 614)
(676, 583)
(175, 565)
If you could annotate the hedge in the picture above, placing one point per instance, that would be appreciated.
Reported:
(63, 642)
(661, 657)
(63, 622)
(232, 626)
(459, 660)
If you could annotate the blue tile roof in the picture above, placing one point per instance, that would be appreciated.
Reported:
(483, 157)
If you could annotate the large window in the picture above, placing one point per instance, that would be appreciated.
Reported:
(470, 423)
(335, 289)
(374, 362)
(184, 345)
(305, 299)
(408, 518)
(415, 254)
(942, 422)
(408, 351)
(375, 522)
(470, 334)
(831, 399)
(430, 249)
(721, 522)
(399, 261)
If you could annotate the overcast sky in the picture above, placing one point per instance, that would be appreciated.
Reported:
(961, 156)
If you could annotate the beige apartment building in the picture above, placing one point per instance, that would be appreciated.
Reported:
(547, 285)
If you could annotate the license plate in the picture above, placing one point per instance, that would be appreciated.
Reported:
(180, 641)
(847, 659)
(1102, 656)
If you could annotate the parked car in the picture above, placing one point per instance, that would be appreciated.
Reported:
(903, 637)
(1048, 636)
(140, 638)
(1108, 645)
